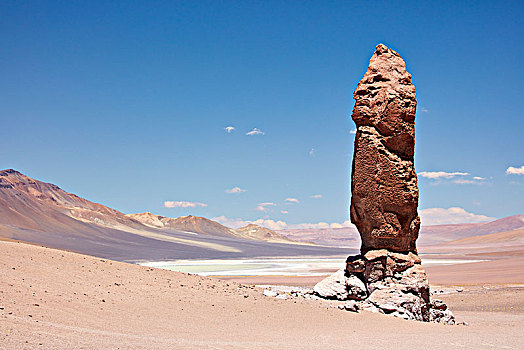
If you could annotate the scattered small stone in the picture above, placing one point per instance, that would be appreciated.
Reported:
(351, 305)
(460, 290)
(270, 293)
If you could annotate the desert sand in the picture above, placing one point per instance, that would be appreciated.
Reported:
(56, 299)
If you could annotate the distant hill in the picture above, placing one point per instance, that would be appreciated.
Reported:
(257, 232)
(189, 223)
(43, 213)
(435, 234)
(335, 237)
(429, 235)
(500, 244)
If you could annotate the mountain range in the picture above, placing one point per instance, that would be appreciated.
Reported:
(43, 213)
(429, 235)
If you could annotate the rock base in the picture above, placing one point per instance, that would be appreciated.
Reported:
(386, 282)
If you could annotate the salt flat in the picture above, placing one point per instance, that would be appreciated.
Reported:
(273, 266)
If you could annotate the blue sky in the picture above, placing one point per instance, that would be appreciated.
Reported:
(126, 103)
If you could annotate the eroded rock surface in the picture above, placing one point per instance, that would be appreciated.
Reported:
(384, 192)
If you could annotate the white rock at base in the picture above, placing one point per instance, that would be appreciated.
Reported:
(339, 286)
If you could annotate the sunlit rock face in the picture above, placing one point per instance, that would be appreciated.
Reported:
(384, 191)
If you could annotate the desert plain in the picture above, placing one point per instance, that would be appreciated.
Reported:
(53, 299)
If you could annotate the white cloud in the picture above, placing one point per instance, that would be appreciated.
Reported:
(316, 196)
(515, 171)
(183, 204)
(425, 110)
(454, 215)
(279, 224)
(236, 223)
(229, 129)
(284, 211)
(477, 181)
(440, 174)
(262, 206)
(255, 131)
(236, 190)
(292, 200)
(478, 178)
(312, 152)
(353, 131)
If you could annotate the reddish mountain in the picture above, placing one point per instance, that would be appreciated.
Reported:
(36, 205)
(190, 223)
(260, 233)
(43, 213)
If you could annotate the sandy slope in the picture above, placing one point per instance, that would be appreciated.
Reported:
(56, 299)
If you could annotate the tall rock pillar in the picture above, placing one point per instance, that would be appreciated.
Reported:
(387, 276)
(384, 192)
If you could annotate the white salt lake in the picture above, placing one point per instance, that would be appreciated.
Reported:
(271, 266)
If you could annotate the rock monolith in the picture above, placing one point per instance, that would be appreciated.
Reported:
(384, 192)
(387, 276)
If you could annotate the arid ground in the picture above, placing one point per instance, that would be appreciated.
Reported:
(55, 299)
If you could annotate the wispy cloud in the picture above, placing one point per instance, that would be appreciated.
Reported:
(229, 129)
(515, 171)
(424, 110)
(466, 182)
(292, 200)
(284, 211)
(312, 152)
(255, 131)
(235, 190)
(476, 180)
(453, 215)
(440, 174)
(183, 204)
(316, 196)
(459, 178)
(353, 131)
(263, 206)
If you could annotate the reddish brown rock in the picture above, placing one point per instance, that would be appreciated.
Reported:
(384, 200)
(384, 191)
